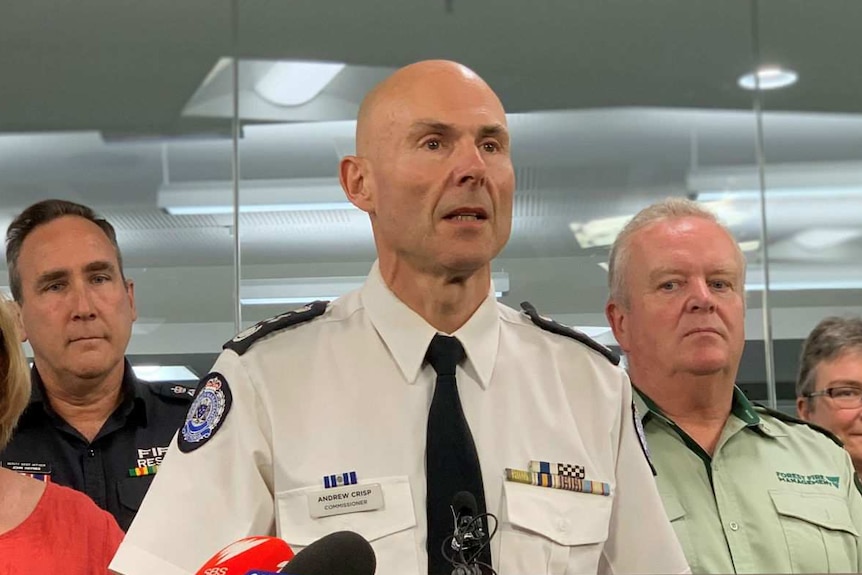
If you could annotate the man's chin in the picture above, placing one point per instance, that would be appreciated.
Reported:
(708, 367)
(90, 371)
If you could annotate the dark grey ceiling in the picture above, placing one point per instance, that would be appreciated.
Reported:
(130, 65)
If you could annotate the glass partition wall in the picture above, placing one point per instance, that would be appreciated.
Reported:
(209, 133)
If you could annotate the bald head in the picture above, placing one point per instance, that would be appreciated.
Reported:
(390, 98)
(433, 171)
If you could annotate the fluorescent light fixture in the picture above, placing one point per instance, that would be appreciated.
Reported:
(750, 246)
(293, 83)
(164, 373)
(768, 78)
(806, 285)
(291, 291)
(824, 238)
(806, 194)
(599, 232)
(216, 197)
(805, 175)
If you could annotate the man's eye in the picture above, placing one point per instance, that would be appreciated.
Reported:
(668, 286)
(433, 144)
(846, 392)
(491, 146)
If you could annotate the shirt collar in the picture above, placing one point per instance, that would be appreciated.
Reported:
(740, 407)
(407, 335)
(133, 390)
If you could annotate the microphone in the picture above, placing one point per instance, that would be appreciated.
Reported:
(469, 537)
(339, 553)
(468, 533)
(247, 554)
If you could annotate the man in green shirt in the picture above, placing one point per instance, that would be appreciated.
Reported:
(748, 490)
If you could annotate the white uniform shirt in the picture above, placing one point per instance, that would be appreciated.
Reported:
(348, 391)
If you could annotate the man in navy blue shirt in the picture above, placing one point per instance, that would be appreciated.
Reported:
(90, 424)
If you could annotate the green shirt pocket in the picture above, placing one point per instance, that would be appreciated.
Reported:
(818, 531)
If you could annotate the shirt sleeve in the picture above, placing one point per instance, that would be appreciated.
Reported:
(854, 504)
(640, 536)
(113, 536)
(207, 497)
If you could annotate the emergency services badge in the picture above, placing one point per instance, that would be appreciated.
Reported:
(206, 413)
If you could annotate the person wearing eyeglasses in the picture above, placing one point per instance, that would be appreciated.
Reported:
(829, 384)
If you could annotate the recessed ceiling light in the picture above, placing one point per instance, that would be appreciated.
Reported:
(768, 78)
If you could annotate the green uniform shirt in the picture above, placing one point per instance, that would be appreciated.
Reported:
(775, 496)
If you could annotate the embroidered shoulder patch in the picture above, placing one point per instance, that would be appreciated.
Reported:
(246, 338)
(207, 412)
(552, 326)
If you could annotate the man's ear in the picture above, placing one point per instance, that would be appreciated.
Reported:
(355, 181)
(130, 291)
(802, 408)
(618, 320)
(15, 308)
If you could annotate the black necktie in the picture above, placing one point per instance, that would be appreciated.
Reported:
(451, 462)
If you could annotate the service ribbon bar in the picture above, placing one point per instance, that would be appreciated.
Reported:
(567, 469)
(140, 471)
(556, 481)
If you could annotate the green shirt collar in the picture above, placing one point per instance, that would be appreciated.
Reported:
(740, 407)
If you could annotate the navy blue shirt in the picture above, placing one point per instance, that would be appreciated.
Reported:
(117, 467)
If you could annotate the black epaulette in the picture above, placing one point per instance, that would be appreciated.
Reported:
(552, 326)
(173, 390)
(780, 415)
(246, 338)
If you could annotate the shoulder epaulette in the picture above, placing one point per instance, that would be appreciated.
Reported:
(781, 416)
(552, 326)
(174, 390)
(246, 338)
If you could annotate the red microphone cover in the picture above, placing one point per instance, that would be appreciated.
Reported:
(240, 557)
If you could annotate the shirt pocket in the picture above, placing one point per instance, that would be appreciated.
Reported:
(552, 531)
(130, 494)
(391, 530)
(818, 530)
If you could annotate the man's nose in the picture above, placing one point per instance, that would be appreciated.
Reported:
(701, 297)
(470, 165)
(83, 307)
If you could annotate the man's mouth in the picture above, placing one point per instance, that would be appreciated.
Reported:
(704, 330)
(86, 338)
(466, 215)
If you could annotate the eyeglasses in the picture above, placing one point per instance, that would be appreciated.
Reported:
(844, 397)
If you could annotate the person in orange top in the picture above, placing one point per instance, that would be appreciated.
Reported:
(44, 528)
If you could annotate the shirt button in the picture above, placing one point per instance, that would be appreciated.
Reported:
(91, 453)
(734, 526)
(563, 524)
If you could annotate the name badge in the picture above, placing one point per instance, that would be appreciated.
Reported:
(21, 467)
(347, 499)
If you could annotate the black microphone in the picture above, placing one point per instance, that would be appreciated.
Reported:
(468, 532)
(339, 553)
(469, 536)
